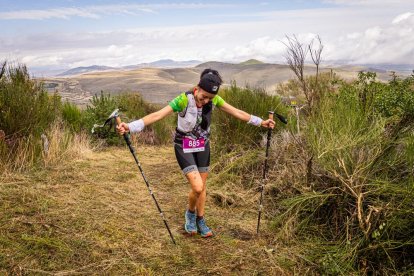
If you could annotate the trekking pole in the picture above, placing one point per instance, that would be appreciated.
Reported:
(115, 115)
(269, 136)
(132, 150)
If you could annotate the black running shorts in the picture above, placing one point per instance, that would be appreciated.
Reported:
(193, 161)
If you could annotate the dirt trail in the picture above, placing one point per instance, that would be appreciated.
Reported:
(96, 216)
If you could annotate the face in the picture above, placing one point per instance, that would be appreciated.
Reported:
(202, 97)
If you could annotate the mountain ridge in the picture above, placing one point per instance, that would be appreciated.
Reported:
(162, 63)
(160, 85)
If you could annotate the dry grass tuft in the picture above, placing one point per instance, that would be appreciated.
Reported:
(56, 147)
(63, 145)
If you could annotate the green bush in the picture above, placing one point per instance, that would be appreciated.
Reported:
(239, 148)
(26, 112)
(73, 116)
(357, 205)
(31, 121)
(134, 107)
(97, 112)
(26, 108)
(131, 107)
(396, 98)
(228, 132)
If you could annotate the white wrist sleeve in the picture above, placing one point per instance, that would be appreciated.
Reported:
(254, 120)
(136, 126)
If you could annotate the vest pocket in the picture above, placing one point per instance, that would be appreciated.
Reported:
(187, 123)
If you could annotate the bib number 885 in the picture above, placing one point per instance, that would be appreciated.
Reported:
(194, 143)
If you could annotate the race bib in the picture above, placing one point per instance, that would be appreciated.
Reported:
(193, 145)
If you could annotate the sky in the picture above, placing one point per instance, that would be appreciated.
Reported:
(71, 33)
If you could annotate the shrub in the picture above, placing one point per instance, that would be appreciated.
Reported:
(26, 108)
(26, 112)
(73, 117)
(396, 98)
(97, 112)
(134, 107)
(239, 148)
(227, 132)
(354, 207)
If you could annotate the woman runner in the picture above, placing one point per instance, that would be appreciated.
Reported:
(191, 141)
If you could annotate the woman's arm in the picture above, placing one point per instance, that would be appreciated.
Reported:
(239, 114)
(244, 116)
(145, 121)
(158, 115)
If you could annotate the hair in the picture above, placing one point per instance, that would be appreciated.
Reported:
(211, 71)
(210, 80)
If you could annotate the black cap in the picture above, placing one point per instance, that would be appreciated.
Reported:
(210, 81)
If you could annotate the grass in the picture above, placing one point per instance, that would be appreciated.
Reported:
(94, 216)
(338, 197)
(347, 208)
(32, 154)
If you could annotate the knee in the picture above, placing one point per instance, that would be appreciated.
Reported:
(196, 182)
(198, 189)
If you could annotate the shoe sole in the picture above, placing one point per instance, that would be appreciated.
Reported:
(208, 235)
(189, 233)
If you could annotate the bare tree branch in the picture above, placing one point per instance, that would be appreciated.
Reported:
(295, 58)
(316, 55)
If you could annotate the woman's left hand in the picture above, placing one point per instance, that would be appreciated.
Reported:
(269, 123)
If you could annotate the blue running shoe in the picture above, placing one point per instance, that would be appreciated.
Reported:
(190, 223)
(203, 229)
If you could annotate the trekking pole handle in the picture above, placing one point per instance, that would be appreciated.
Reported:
(118, 120)
(126, 136)
(271, 115)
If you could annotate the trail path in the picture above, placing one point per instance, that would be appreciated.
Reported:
(96, 216)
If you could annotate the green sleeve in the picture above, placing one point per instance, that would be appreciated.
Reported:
(179, 103)
(218, 101)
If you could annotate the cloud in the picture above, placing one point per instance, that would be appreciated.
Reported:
(365, 2)
(360, 35)
(402, 17)
(98, 11)
(263, 48)
(64, 13)
(392, 44)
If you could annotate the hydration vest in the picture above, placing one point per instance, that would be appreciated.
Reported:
(187, 119)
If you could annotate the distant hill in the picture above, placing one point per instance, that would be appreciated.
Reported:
(169, 63)
(251, 62)
(161, 84)
(401, 69)
(82, 70)
(163, 63)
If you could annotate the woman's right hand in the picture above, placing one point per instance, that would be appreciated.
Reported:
(122, 128)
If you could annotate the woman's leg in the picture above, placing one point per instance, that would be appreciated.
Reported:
(197, 191)
(202, 227)
(189, 167)
(201, 202)
(203, 162)
(195, 168)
